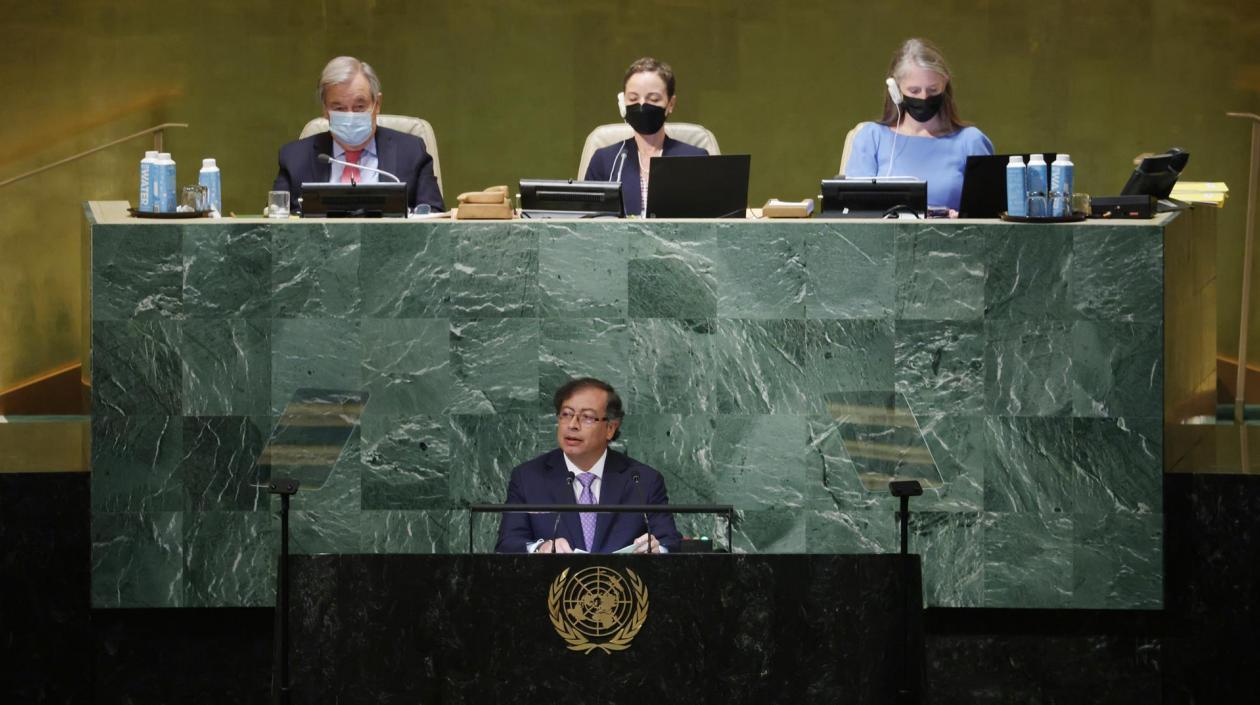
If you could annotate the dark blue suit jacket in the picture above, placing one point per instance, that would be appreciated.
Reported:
(545, 480)
(399, 153)
(605, 164)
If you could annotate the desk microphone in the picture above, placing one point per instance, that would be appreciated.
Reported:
(556, 527)
(642, 500)
(325, 159)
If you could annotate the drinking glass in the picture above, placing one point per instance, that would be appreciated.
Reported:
(1082, 204)
(1038, 207)
(277, 204)
(195, 198)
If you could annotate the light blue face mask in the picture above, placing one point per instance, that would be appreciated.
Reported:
(351, 129)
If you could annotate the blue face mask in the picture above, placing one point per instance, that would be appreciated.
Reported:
(350, 129)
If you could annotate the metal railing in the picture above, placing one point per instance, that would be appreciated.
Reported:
(158, 132)
(1249, 240)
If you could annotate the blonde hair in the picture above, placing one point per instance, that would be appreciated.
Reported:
(921, 53)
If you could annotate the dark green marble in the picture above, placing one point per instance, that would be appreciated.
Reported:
(940, 365)
(136, 368)
(226, 366)
(1029, 368)
(137, 273)
(583, 271)
(671, 271)
(227, 272)
(315, 271)
(849, 271)
(405, 270)
(406, 462)
(138, 559)
(1029, 272)
(218, 462)
(407, 368)
(940, 271)
(1025, 364)
(124, 479)
(230, 559)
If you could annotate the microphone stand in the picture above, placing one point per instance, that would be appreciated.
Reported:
(647, 526)
(280, 695)
(556, 527)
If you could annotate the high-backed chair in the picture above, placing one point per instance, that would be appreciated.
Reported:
(848, 147)
(604, 135)
(402, 123)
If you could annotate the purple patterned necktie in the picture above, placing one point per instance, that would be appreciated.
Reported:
(588, 518)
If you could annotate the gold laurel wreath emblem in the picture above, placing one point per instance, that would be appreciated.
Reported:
(578, 641)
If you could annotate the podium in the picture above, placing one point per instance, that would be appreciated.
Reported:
(712, 628)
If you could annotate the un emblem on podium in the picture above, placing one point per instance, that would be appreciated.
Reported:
(598, 608)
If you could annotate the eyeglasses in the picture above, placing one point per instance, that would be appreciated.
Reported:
(586, 418)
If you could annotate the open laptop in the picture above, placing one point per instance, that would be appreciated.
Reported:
(984, 184)
(699, 187)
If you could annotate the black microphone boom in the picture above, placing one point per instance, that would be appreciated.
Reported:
(556, 527)
(642, 500)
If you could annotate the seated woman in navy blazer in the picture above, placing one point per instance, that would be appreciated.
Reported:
(647, 100)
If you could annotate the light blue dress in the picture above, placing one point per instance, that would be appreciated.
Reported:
(937, 160)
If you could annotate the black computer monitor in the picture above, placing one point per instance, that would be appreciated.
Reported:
(699, 187)
(984, 184)
(543, 198)
(323, 200)
(1156, 175)
(872, 197)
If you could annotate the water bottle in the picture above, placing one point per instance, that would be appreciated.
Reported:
(1061, 183)
(1016, 187)
(165, 173)
(146, 181)
(1038, 181)
(210, 178)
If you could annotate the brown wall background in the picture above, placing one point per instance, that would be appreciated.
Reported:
(512, 88)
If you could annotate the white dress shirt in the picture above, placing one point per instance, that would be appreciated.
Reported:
(368, 159)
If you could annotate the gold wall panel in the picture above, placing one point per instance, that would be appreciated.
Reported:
(512, 87)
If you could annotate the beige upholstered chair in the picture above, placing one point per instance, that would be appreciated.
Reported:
(403, 123)
(848, 147)
(604, 135)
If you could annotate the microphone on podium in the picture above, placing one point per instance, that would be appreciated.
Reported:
(325, 159)
(555, 528)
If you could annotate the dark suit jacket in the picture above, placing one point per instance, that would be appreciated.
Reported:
(545, 480)
(605, 164)
(399, 153)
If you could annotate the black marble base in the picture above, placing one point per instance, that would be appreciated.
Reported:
(722, 629)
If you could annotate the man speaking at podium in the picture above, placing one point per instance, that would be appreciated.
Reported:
(584, 471)
(351, 94)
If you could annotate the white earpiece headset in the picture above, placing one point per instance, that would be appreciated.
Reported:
(895, 94)
(615, 175)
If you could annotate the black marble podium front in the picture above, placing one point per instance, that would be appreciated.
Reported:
(716, 629)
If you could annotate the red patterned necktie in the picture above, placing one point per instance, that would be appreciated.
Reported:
(351, 173)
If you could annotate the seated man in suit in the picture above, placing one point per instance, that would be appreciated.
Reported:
(351, 94)
(647, 98)
(589, 413)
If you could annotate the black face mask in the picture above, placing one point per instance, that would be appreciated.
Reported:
(923, 109)
(645, 118)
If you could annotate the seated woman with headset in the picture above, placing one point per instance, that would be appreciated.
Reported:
(921, 133)
(647, 100)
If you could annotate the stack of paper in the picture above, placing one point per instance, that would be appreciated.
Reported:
(1212, 193)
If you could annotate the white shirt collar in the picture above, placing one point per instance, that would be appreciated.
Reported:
(339, 152)
(597, 469)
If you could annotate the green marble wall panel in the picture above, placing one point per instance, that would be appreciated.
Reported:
(1031, 359)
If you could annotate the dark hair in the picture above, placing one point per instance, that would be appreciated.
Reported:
(649, 65)
(613, 409)
(925, 54)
